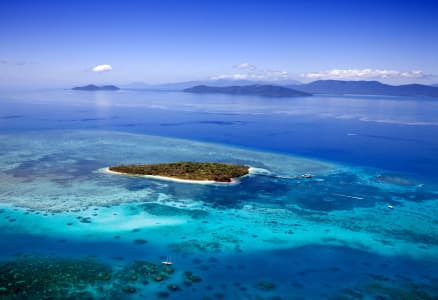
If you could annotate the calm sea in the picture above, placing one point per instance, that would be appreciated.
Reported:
(396, 134)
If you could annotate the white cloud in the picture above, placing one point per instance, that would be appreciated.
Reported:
(102, 68)
(364, 74)
(265, 75)
(239, 76)
(251, 72)
(276, 74)
(245, 66)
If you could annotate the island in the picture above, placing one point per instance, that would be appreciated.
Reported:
(195, 172)
(364, 87)
(92, 87)
(252, 90)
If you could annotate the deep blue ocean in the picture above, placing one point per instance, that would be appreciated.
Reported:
(268, 237)
(393, 133)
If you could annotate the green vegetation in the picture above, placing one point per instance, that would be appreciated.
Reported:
(218, 172)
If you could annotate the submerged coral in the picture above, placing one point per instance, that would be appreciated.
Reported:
(46, 278)
(33, 277)
(383, 287)
(265, 285)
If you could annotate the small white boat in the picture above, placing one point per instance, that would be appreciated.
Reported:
(307, 175)
(390, 206)
(167, 262)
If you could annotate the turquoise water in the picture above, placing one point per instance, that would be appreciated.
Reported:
(83, 233)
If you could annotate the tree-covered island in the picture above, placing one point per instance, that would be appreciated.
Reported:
(195, 171)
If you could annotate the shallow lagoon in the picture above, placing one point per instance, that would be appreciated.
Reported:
(270, 237)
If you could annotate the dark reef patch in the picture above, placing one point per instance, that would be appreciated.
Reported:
(31, 277)
(164, 210)
(46, 278)
(381, 287)
(49, 165)
(252, 188)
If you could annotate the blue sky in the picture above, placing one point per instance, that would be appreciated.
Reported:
(58, 43)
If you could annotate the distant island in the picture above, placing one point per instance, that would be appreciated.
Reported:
(92, 87)
(291, 88)
(253, 90)
(341, 87)
(196, 172)
(179, 86)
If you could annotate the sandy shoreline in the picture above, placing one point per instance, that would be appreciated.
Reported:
(234, 181)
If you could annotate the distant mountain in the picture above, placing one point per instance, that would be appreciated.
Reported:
(178, 86)
(254, 90)
(92, 87)
(339, 87)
